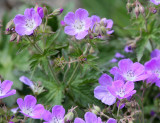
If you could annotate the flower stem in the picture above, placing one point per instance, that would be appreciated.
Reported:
(104, 115)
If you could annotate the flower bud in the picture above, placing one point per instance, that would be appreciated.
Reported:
(18, 38)
(13, 36)
(95, 109)
(57, 12)
(9, 24)
(45, 11)
(103, 30)
(137, 12)
(141, 9)
(69, 117)
(103, 22)
(129, 7)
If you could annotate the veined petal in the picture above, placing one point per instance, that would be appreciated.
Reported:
(90, 118)
(19, 19)
(30, 101)
(79, 120)
(81, 35)
(6, 86)
(20, 103)
(47, 115)
(58, 111)
(69, 30)
(12, 92)
(105, 80)
(69, 18)
(38, 111)
(81, 14)
(102, 93)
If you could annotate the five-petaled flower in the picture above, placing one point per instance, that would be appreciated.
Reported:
(153, 67)
(89, 118)
(101, 92)
(27, 23)
(29, 108)
(122, 90)
(130, 71)
(78, 24)
(57, 115)
(5, 87)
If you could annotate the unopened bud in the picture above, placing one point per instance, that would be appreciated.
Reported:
(9, 24)
(18, 38)
(97, 29)
(103, 22)
(69, 117)
(103, 30)
(45, 11)
(13, 37)
(137, 12)
(141, 9)
(129, 7)
(97, 108)
(57, 11)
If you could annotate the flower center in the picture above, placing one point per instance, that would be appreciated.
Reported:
(157, 71)
(130, 75)
(29, 23)
(1, 94)
(121, 92)
(28, 111)
(78, 25)
(56, 120)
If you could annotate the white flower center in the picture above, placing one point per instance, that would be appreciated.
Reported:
(30, 23)
(157, 71)
(130, 75)
(28, 111)
(1, 94)
(56, 120)
(79, 25)
(121, 92)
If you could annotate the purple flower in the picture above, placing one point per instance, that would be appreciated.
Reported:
(156, 2)
(155, 53)
(118, 55)
(95, 20)
(27, 81)
(29, 108)
(101, 92)
(5, 87)
(40, 12)
(130, 71)
(107, 23)
(128, 49)
(113, 60)
(89, 118)
(57, 115)
(78, 24)
(27, 23)
(153, 67)
(122, 90)
(111, 120)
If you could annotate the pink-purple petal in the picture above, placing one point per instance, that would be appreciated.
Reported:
(105, 80)
(20, 103)
(69, 18)
(81, 35)
(58, 111)
(38, 111)
(101, 93)
(111, 120)
(90, 117)
(69, 30)
(30, 101)
(6, 86)
(81, 14)
(19, 19)
(79, 120)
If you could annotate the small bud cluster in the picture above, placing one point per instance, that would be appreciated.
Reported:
(138, 8)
